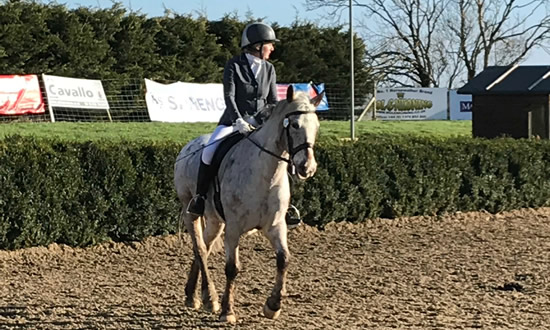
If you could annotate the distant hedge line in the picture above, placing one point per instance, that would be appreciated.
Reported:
(84, 193)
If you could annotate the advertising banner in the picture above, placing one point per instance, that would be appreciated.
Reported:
(460, 105)
(411, 104)
(184, 102)
(189, 102)
(75, 93)
(305, 87)
(20, 95)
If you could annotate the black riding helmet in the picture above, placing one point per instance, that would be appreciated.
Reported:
(257, 32)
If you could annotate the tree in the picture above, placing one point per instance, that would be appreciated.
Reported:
(433, 43)
(187, 50)
(25, 42)
(403, 34)
(118, 46)
(134, 48)
(499, 32)
(85, 37)
(228, 32)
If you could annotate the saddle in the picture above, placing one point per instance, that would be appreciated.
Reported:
(292, 217)
(223, 148)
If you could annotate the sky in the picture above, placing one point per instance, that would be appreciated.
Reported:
(283, 12)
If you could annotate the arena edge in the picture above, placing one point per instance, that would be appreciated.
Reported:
(84, 193)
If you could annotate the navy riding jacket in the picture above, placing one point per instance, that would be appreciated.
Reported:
(245, 95)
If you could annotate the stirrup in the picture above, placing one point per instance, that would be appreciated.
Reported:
(292, 217)
(196, 205)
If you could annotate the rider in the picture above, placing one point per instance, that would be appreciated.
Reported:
(248, 87)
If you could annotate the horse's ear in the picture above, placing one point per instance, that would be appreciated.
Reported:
(317, 99)
(290, 93)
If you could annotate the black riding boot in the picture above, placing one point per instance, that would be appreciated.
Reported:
(196, 205)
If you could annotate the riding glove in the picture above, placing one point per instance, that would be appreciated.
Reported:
(242, 126)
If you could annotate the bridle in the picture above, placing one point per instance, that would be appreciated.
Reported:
(292, 150)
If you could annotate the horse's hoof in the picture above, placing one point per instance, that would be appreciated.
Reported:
(193, 303)
(271, 314)
(212, 307)
(229, 318)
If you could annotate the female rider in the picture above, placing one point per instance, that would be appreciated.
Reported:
(248, 87)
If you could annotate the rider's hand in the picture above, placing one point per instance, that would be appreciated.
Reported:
(242, 126)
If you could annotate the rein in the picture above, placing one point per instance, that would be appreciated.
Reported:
(291, 149)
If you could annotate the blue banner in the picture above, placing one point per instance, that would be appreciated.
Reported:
(307, 88)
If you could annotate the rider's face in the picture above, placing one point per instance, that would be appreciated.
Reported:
(267, 49)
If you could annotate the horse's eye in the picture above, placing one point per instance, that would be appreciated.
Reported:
(295, 125)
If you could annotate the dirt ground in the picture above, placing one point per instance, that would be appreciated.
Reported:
(463, 271)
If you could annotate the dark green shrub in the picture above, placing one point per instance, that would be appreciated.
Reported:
(83, 193)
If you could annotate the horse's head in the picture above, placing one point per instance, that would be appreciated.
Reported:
(300, 125)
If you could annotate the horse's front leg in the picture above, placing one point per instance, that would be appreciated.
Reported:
(232, 266)
(191, 299)
(277, 235)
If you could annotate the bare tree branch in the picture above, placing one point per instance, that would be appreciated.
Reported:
(444, 42)
(505, 32)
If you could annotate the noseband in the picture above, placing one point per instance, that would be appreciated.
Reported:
(290, 147)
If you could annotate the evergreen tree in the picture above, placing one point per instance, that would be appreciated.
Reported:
(117, 47)
(228, 32)
(134, 47)
(187, 50)
(25, 41)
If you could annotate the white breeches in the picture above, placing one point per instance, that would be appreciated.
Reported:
(220, 132)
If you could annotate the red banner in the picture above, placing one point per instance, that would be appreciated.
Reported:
(20, 95)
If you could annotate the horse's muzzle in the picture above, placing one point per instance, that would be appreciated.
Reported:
(308, 167)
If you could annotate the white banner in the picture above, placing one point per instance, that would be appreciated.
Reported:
(411, 104)
(75, 93)
(184, 102)
(461, 106)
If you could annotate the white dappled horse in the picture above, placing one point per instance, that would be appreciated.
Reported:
(255, 194)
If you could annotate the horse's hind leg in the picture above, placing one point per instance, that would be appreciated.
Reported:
(200, 251)
(232, 266)
(191, 299)
(278, 238)
(211, 234)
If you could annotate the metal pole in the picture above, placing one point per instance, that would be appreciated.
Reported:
(352, 79)
(374, 95)
(50, 108)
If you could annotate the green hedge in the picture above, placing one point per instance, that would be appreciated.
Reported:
(405, 176)
(83, 193)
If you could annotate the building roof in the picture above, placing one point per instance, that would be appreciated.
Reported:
(498, 80)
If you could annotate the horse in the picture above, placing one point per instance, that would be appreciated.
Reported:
(255, 194)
